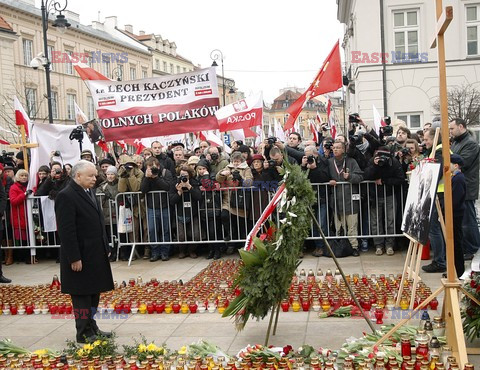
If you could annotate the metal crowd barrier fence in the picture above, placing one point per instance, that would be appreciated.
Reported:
(216, 215)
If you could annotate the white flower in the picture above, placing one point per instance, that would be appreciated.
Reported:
(291, 214)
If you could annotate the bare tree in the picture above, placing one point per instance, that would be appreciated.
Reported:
(463, 102)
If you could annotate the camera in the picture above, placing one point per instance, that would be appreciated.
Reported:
(386, 130)
(239, 142)
(214, 156)
(328, 144)
(356, 139)
(155, 171)
(272, 163)
(383, 160)
(405, 151)
(56, 153)
(236, 176)
(324, 127)
(128, 166)
(271, 140)
(311, 159)
(353, 118)
(387, 120)
(77, 133)
(58, 172)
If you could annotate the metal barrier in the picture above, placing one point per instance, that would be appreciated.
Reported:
(216, 215)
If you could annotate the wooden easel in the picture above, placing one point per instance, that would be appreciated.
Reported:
(451, 285)
(24, 146)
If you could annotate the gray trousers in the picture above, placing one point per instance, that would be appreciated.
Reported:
(381, 221)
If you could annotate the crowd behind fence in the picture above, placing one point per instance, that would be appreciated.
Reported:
(220, 215)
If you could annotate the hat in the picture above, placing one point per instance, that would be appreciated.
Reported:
(106, 161)
(193, 159)
(112, 169)
(8, 166)
(204, 163)
(456, 159)
(86, 152)
(243, 149)
(124, 159)
(257, 157)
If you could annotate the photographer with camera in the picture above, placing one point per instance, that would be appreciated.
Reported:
(186, 196)
(317, 167)
(235, 201)
(325, 150)
(163, 158)
(214, 158)
(387, 173)
(293, 147)
(55, 182)
(345, 197)
(158, 180)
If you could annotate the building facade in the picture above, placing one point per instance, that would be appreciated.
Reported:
(405, 86)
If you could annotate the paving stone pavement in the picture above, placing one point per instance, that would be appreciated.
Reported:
(294, 328)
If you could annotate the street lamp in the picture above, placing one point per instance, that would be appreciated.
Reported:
(61, 24)
(117, 73)
(215, 55)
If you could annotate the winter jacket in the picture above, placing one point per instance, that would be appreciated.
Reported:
(227, 182)
(466, 146)
(319, 175)
(109, 191)
(341, 197)
(186, 205)
(218, 167)
(18, 204)
(50, 187)
(391, 175)
(164, 181)
(166, 162)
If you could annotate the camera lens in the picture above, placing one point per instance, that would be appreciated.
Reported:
(310, 159)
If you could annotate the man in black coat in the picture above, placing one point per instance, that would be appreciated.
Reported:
(84, 267)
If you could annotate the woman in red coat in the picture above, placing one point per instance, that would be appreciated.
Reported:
(18, 195)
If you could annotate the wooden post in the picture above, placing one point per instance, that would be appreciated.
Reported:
(24, 146)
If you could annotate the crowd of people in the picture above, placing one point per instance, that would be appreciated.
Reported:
(205, 194)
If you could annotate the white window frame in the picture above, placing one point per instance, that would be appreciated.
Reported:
(178, 70)
(408, 116)
(157, 64)
(27, 46)
(165, 66)
(474, 23)
(133, 73)
(54, 100)
(71, 106)
(144, 73)
(31, 99)
(68, 64)
(106, 68)
(172, 69)
(405, 29)
(50, 50)
(90, 108)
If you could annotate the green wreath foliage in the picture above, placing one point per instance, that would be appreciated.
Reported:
(266, 273)
(470, 310)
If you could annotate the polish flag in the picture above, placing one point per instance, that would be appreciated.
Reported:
(87, 73)
(244, 113)
(318, 118)
(80, 117)
(377, 120)
(103, 145)
(21, 117)
(331, 119)
(328, 79)
(210, 136)
(122, 144)
(314, 132)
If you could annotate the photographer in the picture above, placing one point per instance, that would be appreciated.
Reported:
(325, 150)
(185, 196)
(293, 147)
(274, 164)
(129, 180)
(387, 173)
(217, 163)
(87, 155)
(235, 204)
(318, 173)
(164, 159)
(157, 178)
(345, 197)
(55, 182)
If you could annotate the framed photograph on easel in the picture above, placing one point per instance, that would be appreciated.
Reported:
(420, 201)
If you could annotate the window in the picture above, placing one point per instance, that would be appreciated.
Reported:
(144, 73)
(157, 64)
(54, 104)
(90, 108)
(133, 73)
(31, 97)
(89, 59)
(413, 120)
(27, 51)
(68, 64)
(178, 70)
(184, 70)
(50, 53)
(473, 22)
(405, 27)
(172, 71)
(106, 68)
(71, 106)
(164, 66)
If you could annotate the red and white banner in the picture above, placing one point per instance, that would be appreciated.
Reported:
(167, 105)
(21, 117)
(241, 114)
(331, 119)
(264, 216)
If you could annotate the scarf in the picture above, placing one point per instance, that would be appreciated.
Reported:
(363, 147)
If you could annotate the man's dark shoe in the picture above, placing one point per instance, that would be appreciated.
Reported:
(318, 252)
(84, 340)
(4, 280)
(106, 334)
(468, 256)
(433, 267)
(355, 252)
(154, 258)
(230, 250)
(165, 258)
(211, 254)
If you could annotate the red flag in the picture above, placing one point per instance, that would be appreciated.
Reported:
(318, 118)
(328, 79)
(87, 73)
(314, 132)
(331, 119)
(21, 117)
(102, 144)
(4, 142)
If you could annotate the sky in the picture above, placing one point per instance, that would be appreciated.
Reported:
(267, 44)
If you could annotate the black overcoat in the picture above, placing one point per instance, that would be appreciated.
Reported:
(82, 235)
